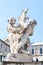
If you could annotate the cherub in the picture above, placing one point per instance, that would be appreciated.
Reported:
(13, 34)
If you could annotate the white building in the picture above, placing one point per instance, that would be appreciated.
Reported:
(37, 51)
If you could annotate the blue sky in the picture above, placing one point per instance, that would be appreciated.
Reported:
(12, 8)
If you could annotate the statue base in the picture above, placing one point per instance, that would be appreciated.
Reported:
(18, 57)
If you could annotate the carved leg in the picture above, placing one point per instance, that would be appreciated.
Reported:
(22, 42)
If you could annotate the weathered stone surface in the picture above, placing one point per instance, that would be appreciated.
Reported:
(18, 57)
(18, 38)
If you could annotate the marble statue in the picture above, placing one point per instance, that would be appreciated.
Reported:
(23, 18)
(19, 35)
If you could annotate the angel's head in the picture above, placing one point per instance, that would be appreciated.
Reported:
(32, 22)
(12, 21)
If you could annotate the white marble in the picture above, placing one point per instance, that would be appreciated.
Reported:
(18, 38)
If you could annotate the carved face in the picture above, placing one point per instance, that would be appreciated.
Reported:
(32, 24)
(12, 21)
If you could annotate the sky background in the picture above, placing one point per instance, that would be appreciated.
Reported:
(12, 8)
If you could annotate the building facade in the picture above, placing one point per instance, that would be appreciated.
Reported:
(4, 49)
(37, 51)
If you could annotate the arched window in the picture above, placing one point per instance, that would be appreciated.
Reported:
(32, 51)
(40, 50)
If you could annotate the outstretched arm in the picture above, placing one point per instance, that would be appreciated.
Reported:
(12, 29)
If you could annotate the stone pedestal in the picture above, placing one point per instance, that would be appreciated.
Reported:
(18, 57)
